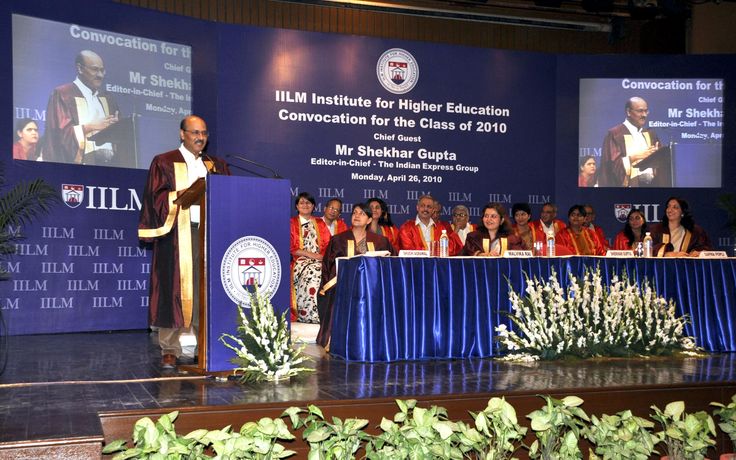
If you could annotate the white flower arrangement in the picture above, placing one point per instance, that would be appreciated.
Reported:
(591, 319)
(263, 344)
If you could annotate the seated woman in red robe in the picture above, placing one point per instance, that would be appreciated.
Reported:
(678, 235)
(528, 234)
(358, 240)
(381, 223)
(494, 236)
(576, 238)
(633, 232)
(309, 238)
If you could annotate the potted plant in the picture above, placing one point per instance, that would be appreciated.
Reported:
(263, 345)
(496, 434)
(255, 440)
(727, 415)
(557, 426)
(415, 433)
(337, 440)
(686, 436)
(622, 436)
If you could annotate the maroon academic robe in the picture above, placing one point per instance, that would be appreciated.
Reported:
(613, 172)
(410, 237)
(478, 241)
(168, 227)
(65, 140)
(340, 246)
(695, 240)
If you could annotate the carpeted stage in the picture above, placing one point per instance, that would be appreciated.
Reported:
(62, 396)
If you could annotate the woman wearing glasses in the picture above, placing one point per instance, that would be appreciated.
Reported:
(309, 238)
(577, 239)
(358, 240)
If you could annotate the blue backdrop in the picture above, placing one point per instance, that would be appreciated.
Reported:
(479, 125)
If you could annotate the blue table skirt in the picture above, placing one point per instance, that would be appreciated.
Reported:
(392, 309)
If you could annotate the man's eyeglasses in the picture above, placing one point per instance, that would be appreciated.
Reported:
(94, 68)
(197, 132)
(459, 214)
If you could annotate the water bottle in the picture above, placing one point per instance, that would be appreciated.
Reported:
(639, 251)
(648, 245)
(550, 244)
(444, 244)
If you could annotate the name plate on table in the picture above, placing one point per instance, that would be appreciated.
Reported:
(517, 253)
(619, 253)
(414, 253)
(712, 255)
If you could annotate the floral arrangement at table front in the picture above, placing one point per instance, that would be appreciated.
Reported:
(263, 345)
(591, 318)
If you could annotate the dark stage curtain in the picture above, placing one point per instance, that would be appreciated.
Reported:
(393, 309)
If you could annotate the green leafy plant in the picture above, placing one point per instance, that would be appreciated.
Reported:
(22, 204)
(340, 439)
(557, 426)
(727, 415)
(622, 436)
(255, 441)
(417, 433)
(591, 318)
(496, 434)
(263, 345)
(686, 436)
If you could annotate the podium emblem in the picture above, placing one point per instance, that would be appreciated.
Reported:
(72, 194)
(248, 262)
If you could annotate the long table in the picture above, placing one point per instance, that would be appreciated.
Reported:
(394, 308)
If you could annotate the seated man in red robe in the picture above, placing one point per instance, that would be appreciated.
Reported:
(420, 233)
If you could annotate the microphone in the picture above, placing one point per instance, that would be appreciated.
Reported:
(260, 165)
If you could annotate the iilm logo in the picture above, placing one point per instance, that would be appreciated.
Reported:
(650, 210)
(102, 198)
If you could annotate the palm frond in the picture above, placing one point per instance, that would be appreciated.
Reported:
(26, 201)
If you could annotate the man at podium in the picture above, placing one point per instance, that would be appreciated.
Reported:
(626, 145)
(78, 110)
(170, 219)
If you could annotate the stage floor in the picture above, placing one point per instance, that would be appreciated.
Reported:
(54, 386)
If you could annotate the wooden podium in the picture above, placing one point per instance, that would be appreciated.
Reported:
(245, 241)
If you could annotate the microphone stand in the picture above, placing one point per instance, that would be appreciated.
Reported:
(260, 165)
(248, 171)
